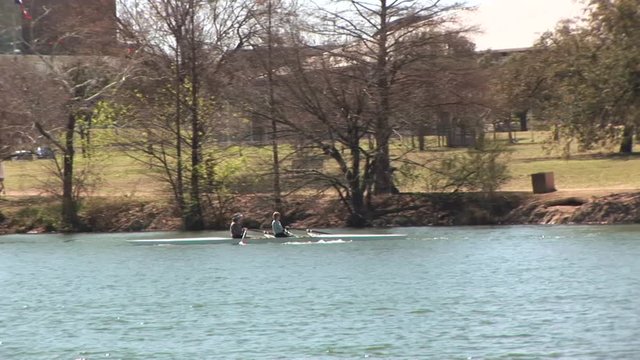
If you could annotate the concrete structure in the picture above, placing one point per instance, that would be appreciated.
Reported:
(543, 183)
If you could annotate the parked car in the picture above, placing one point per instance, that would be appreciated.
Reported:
(44, 152)
(22, 155)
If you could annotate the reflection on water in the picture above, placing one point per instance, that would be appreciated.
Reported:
(454, 293)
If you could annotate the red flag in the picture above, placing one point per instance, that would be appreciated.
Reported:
(25, 12)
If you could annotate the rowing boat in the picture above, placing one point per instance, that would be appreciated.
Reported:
(185, 241)
(310, 236)
(353, 237)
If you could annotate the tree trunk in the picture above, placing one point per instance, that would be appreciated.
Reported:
(85, 134)
(626, 147)
(358, 216)
(522, 116)
(277, 197)
(70, 221)
(421, 134)
(555, 131)
(383, 173)
(194, 218)
(383, 179)
(179, 187)
(83, 141)
(277, 192)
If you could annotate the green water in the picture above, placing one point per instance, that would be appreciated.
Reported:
(443, 293)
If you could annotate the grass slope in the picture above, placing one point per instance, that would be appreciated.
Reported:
(119, 175)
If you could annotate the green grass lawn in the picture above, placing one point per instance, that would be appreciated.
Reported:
(608, 173)
(121, 175)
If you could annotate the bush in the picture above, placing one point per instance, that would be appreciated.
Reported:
(476, 170)
(46, 218)
(120, 214)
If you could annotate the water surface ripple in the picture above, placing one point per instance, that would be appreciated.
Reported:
(566, 292)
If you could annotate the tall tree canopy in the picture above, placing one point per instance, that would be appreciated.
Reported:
(584, 77)
(186, 46)
(386, 39)
(375, 58)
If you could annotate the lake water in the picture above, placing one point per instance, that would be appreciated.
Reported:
(566, 292)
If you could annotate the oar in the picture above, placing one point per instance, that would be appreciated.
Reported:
(244, 233)
(318, 232)
(288, 230)
(308, 232)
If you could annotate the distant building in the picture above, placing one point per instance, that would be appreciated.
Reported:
(71, 27)
(499, 56)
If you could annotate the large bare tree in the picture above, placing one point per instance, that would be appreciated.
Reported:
(275, 23)
(374, 57)
(388, 38)
(55, 95)
(186, 45)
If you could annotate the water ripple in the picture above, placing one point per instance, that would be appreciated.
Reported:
(446, 293)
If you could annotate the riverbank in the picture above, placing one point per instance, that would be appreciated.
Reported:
(23, 214)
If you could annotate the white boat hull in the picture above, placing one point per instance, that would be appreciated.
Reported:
(269, 239)
(356, 237)
(185, 241)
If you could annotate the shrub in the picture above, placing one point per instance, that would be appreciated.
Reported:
(476, 170)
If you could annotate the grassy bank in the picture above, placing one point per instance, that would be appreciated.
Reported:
(128, 197)
(119, 175)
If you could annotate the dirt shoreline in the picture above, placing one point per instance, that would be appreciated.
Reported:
(23, 214)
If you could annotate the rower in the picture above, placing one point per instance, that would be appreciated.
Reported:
(236, 228)
(277, 228)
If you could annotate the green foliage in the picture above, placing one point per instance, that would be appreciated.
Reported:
(234, 169)
(230, 171)
(476, 170)
(583, 78)
(44, 217)
(107, 113)
(407, 175)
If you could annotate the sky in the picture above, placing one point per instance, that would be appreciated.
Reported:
(507, 24)
(517, 23)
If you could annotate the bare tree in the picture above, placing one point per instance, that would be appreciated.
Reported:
(186, 45)
(57, 94)
(54, 94)
(387, 38)
(331, 109)
(29, 94)
(339, 94)
(274, 22)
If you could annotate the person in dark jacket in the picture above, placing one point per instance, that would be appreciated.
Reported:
(236, 228)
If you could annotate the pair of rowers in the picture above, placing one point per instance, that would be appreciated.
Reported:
(238, 231)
